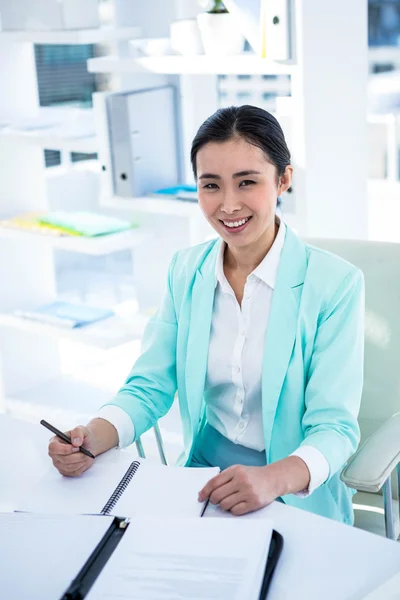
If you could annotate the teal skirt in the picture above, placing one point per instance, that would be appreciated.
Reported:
(212, 449)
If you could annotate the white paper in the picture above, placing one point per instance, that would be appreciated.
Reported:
(160, 490)
(40, 555)
(154, 489)
(186, 559)
(86, 494)
(390, 590)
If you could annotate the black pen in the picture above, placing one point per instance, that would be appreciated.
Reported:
(64, 437)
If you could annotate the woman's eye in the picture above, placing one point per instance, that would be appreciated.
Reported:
(210, 186)
(246, 182)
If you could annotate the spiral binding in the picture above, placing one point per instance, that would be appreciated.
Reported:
(121, 487)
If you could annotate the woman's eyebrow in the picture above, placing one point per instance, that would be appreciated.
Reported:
(244, 173)
(239, 174)
(209, 176)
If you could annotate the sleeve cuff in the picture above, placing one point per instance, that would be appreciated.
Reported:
(318, 466)
(121, 421)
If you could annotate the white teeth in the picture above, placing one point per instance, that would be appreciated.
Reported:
(235, 223)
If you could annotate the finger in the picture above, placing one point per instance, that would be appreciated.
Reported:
(72, 459)
(78, 435)
(241, 508)
(215, 483)
(224, 491)
(61, 448)
(230, 501)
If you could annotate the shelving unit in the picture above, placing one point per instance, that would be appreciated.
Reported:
(245, 64)
(30, 363)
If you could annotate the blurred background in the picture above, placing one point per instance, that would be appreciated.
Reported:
(99, 102)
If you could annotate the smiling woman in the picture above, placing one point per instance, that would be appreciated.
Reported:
(260, 334)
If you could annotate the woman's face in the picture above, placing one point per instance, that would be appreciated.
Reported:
(238, 190)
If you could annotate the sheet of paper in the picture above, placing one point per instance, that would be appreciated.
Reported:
(390, 590)
(185, 559)
(85, 494)
(159, 490)
(42, 554)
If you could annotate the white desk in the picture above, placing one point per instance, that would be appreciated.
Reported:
(321, 559)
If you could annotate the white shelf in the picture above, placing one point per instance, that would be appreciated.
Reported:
(104, 335)
(86, 145)
(64, 397)
(179, 208)
(66, 129)
(191, 65)
(94, 35)
(97, 246)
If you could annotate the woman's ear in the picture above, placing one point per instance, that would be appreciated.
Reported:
(285, 181)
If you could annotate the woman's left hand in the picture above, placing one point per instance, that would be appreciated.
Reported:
(241, 489)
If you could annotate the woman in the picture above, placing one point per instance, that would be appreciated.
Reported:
(260, 334)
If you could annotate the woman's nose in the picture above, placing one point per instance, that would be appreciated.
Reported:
(230, 203)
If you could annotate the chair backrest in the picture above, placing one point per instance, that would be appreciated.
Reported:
(380, 263)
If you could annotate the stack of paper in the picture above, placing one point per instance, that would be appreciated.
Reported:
(65, 314)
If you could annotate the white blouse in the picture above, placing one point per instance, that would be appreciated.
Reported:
(234, 372)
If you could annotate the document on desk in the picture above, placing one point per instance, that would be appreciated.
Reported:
(118, 485)
(186, 559)
(390, 590)
(41, 554)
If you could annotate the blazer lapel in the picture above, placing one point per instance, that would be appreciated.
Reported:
(202, 301)
(282, 326)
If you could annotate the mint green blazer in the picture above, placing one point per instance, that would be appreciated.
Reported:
(312, 367)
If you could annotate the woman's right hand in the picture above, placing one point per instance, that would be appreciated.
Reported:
(66, 457)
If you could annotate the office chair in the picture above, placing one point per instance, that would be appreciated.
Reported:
(375, 468)
(159, 442)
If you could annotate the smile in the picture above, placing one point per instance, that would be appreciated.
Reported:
(238, 225)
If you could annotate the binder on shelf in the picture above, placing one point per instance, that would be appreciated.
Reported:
(268, 26)
(138, 155)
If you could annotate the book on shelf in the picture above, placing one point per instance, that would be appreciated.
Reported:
(148, 539)
(64, 223)
(30, 222)
(84, 223)
(65, 314)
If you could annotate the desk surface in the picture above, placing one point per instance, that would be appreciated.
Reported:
(320, 559)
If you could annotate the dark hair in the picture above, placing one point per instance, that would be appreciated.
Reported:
(253, 124)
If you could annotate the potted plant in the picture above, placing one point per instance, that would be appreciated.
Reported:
(219, 31)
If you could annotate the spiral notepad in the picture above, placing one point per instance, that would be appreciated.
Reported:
(117, 485)
(120, 489)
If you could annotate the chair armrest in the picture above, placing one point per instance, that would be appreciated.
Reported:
(371, 465)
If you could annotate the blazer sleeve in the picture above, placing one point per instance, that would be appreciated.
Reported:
(148, 392)
(335, 375)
